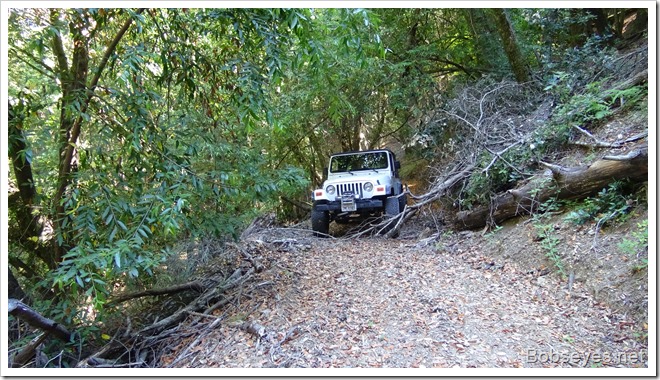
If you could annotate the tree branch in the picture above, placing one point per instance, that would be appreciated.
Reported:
(193, 285)
(26, 313)
(111, 49)
(58, 49)
(33, 62)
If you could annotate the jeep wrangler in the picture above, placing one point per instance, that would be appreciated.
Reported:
(359, 184)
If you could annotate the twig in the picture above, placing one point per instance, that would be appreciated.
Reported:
(636, 137)
(602, 221)
(499, 154)
(597, 143)
(204, 333)
(629, 156)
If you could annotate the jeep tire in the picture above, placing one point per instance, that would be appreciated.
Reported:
(392, 205)
(320, 222)
(403, 200)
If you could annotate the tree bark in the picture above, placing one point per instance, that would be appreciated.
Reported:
(26, 313)
(29, 225)
(21, 164)
(14, 289)
(28, 352)
(560, 182)
(510, 45)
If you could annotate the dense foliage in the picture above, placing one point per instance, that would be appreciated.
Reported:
(133, 129)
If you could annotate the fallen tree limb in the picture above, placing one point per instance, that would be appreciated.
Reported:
(560, 182)
(389, 226)
(603, 144)
(193, 285)
(596, 142)
(31, 316)
(200, 303)
(29, 351)
(142, 340)
(246, 255)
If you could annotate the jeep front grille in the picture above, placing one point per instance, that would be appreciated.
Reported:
(356, 188)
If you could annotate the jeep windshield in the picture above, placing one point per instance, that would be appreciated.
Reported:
(358, 161)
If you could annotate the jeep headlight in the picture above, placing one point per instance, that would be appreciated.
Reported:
(330, 189)
(368, 187)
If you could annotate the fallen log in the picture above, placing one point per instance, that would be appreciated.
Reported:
(559, 182)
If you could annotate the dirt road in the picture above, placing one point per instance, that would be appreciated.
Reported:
(405, 303)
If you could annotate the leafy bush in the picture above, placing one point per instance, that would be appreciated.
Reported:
(611, 204)
(550, 244)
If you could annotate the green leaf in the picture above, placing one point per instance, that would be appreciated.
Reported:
(112, 234)
(121, 224)
(142, 232)
(109, 217)
(118, 259)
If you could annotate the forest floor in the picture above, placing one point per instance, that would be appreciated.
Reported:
(452, 299)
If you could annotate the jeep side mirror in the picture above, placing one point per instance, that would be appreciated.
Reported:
(397, 165)
(325, 172)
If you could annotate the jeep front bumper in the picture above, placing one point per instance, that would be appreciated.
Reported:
(359, 203)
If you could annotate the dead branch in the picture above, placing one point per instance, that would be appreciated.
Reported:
(632, 155)
(499, 154)
(193, 285)
(639, 78)
(95, 358)
(389, 226)
(200, 336)
(596, 142)
(141, 343)
(200, 303)
(29, 315)
(636, 137)
(254, 328)
(29, 351)
(255, 263)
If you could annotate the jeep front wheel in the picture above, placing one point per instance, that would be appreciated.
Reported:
(320, 222)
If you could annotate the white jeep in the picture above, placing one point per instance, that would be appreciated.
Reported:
(359, 184)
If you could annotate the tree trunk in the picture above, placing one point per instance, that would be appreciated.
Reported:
(510, 45)
(563, 183)
(600, 20)
(29, 225)
(482, 32)
(75, 90)
(14, 289)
